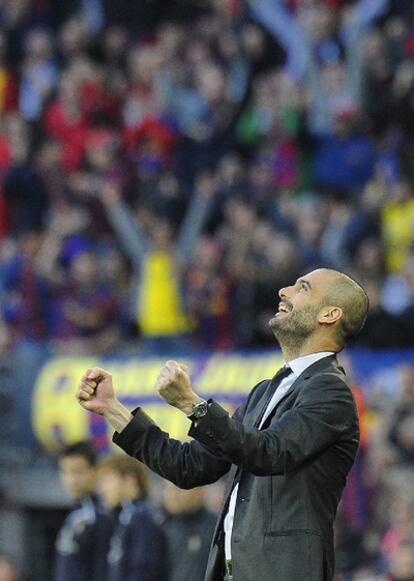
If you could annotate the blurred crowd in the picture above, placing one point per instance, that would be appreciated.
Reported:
(375, 524)
(165, 168)
(161, 180)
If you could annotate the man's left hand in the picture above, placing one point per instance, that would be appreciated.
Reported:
(174, 386)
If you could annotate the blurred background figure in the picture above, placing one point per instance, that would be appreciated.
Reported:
(160, 259)
(189, 527)
(9, 570)
(138, 545)
(83, 541)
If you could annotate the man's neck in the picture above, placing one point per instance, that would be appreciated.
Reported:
(293, 352)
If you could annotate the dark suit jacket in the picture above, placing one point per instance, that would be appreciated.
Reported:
(83, 542)
(138, 545)
(293, 472)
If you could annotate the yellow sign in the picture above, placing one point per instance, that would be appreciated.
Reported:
(57, 418)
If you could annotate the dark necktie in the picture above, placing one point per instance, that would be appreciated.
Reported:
(283, 372)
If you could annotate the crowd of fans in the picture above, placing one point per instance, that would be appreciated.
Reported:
(165, 168)
(375, 524)
(160, 184)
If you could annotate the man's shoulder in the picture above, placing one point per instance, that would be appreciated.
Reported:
(327, 368)
(327, 380)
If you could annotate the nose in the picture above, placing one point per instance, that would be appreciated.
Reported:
(283, 292)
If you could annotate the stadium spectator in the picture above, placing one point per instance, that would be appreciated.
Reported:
(158, 264)
(138, 547)
(25, 290)
(381, 328)
(402, 423)
(397, 217)
(84, 315)
(189, 527)
(208, 296)
(39, 74)
(83, 541)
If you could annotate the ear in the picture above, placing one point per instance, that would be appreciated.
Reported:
(330, 315)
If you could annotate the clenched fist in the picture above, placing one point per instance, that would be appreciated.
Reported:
(96, 391)
(174, 386)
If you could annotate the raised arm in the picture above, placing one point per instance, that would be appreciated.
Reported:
(287, 31)
(196, 216)
(130, 234)
(186, 464)
(360, 17)
(324, 414)
(365, 12)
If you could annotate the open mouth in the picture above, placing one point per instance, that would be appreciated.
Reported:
(283, 310)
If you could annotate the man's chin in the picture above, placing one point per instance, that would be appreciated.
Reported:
(280, 327)
(275, 323)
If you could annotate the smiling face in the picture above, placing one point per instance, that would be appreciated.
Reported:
(320, 312)
(304, 314)
(298, 309)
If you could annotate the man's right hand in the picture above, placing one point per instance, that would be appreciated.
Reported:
(96, 392)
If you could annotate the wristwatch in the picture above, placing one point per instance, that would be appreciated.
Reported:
(200, 409)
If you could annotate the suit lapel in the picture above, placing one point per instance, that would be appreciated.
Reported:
(270, 390)
(293, 389)
(264, 402)
(299, 381)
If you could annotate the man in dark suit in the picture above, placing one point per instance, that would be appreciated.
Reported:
(138, 546)
(83, 541)
(287, 450)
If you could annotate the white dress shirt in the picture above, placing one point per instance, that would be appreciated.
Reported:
(298, 366)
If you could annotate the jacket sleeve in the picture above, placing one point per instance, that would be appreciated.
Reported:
(324, 413)
(186, 464)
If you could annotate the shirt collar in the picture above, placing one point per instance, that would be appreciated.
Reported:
(299, 364)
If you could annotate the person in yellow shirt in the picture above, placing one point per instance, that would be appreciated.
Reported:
(159, 261)
(397, 223)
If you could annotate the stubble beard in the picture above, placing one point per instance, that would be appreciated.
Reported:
(292, 332)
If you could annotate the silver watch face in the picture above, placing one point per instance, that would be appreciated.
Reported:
(200, 409)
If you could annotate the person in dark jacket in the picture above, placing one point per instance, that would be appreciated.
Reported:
(83, 541)
(287, 450)
(189, 527)
(138, 549)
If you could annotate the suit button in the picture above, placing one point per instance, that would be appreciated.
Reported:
(236, 539)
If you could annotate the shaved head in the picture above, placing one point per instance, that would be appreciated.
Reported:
(321, 311)
(344, 292)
